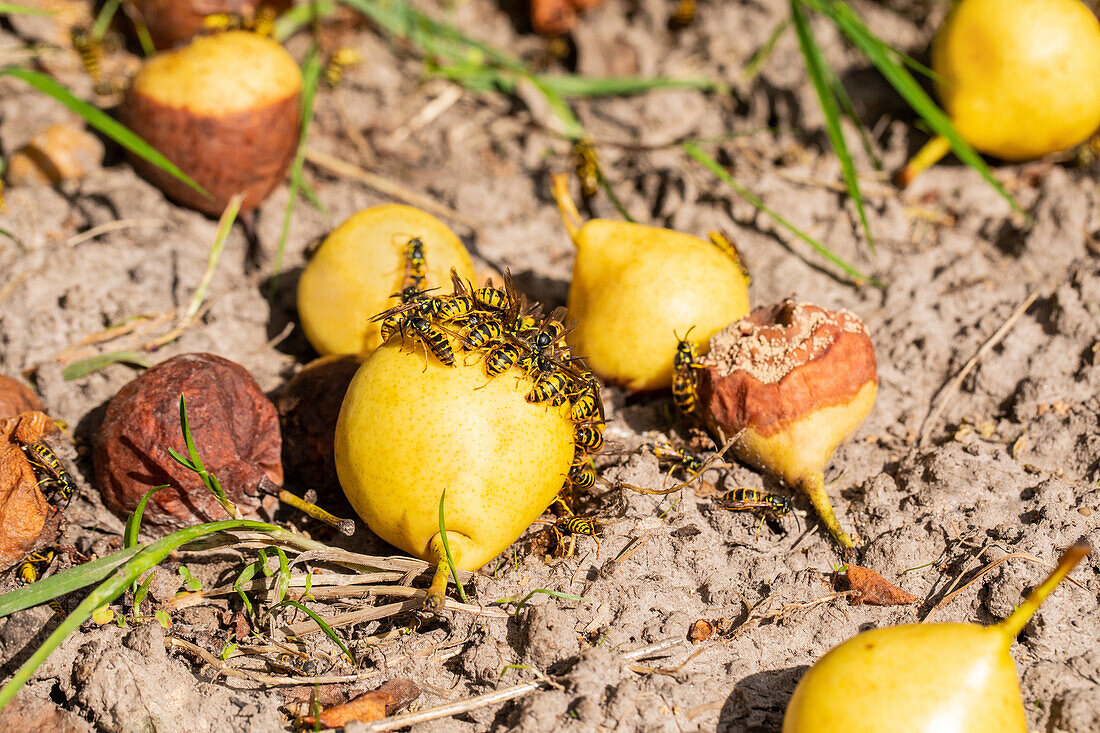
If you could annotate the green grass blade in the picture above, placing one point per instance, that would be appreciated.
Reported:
(712, 165)
(521, 602)
(103, 19)
(16, 240)
(820, 74)
(311, 76)
(849, 110)
(107, 591)
(324, 627)
(752, 68)
(64, 582)
(573, 86)
(284, 575)
(225, 224)
(142, 591)
(884, 59)
(300, 16)
(13, 9)
(246, 576)
(447, 549)
(101, 121)
(133, 524)
(83, 367)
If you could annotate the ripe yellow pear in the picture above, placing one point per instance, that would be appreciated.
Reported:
(637, 289)
(1017, 77)
(361, 264)
(922, 678)
(411, 427)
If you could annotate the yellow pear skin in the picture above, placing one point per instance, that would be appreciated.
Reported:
(361, 264)
(636, 288)
(411, 427)
(1019, 77)
(922, 678)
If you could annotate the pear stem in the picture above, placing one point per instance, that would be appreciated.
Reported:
(570, 217)
(925, 158)
(814, 486)
(438, 589)
(1015, 623)
(343, 526)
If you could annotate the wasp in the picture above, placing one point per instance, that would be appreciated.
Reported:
(482, 334)
(552, 388)
(665, 453)
(683, 15)
(340, 59)
(586, 167)
(501, 358)
(729, 249)
(454, 308)
(433, 338)
(89, 52)
(582, 475)
(34, 565)
(299, 664)
(263, 22)
(571, 526)
(493, 298)
(587, 405)
(41, 456)
(416, 264)
(589, 437)
(759, 502)
(221, 22)
(683, 378)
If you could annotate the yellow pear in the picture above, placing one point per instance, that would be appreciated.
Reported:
(922, 678)
(411, 427)
(361, 264)
(637, 289)
(1017, 77)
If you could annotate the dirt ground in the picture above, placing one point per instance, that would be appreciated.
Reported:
(1010, 467)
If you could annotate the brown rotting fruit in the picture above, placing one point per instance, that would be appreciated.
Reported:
(225, 109)
(16, 397)
(798, 379)
(236, 432)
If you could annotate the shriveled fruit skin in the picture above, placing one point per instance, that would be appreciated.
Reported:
(411, 427)
(361, 264)
(636, 288)
(225, 109)
(1018, 77)
(918, 678)
(23, 509)
(235, 428)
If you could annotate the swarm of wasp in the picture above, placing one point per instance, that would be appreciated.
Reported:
(498, 324)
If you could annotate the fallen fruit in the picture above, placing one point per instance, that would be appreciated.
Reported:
(16, 397)
(225, 110)
(798, 379)
(236, 432)
(172, 22)
(489, 425)
(636, 287)
(1015, 78)
(361, 264)
(61, 152)
(308, 407)
(922, 678)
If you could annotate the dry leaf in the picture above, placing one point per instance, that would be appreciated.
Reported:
(15, 398)
(23, 509)
(701, 630)
(874, 590)
(365, 708)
